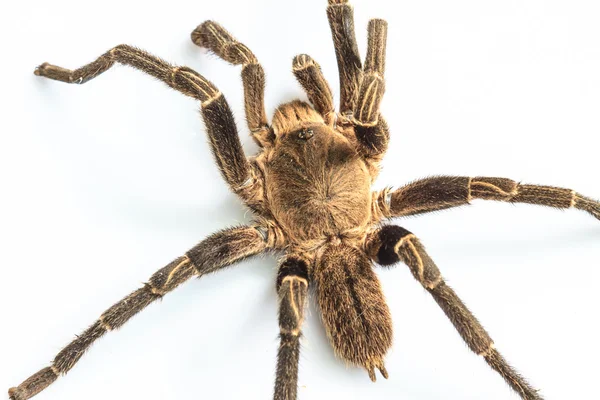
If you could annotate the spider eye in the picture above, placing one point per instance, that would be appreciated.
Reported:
(306, 134)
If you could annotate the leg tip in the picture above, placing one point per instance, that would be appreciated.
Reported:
(302, 62)
(199, 35)
(377, 23)
(371, 372)
(38, 71)
(15, 394)
(370, 367)
(196, 36)
(384, 372)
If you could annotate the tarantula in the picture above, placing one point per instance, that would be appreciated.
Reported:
(309, 190)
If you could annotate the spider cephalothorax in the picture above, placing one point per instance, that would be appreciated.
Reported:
(316, 183)
(310, 191)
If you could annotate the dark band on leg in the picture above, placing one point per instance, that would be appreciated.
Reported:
(374, 139)
(382, 244)
(292, 267)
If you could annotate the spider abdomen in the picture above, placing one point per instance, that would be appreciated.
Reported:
(353, 308)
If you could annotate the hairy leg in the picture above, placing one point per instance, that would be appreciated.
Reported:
(341, 21)
(310, 76)
(215, 252)
(442, 192)
(371, 130)
(217, 115)
(391, 244)
(215, 38)
(292, 286)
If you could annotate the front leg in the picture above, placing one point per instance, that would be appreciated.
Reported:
(442, 192)
(216, 113)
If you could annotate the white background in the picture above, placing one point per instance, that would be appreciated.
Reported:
(104, 183)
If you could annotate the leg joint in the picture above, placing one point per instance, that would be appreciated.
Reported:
(105, 325)
(493, 188)
(373, 136)
(382, 245)
(292, 268)
(192, 84)
(487, 352)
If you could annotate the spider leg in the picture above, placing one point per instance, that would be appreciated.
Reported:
(215, 38)
(371, 130)
(391, 244)
(341, 21)
(216, 113)
(310, 76)
(441, 192)
(292, 287)
(215, 252)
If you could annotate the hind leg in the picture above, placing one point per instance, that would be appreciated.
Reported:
(391, 244)
(219, 250)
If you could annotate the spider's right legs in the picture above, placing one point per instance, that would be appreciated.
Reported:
(216, 113)
(442, 192)
(292, 286)
(214, 37)
(371, 129)
(391, 244)
(341, 22)
(215, 252)
(361, 91)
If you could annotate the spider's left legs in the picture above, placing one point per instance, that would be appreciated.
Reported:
(216, 252)
(441, 192)
(310, 76)
(292, 287)
(217, 115)
(214, 37)
(391, 244)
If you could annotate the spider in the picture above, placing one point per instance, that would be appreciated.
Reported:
(309, 189)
